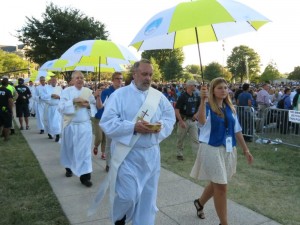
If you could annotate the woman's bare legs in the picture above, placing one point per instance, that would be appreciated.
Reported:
(207, 194)
(220, 200)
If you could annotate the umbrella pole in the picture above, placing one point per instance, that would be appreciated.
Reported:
(202, 76)
(99, 69)
(95, 88)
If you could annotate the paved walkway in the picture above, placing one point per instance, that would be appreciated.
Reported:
(175, 194)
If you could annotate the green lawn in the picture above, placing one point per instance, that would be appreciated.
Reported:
(270, 186)
(26, 196)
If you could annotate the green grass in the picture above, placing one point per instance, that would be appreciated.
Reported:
(26, 197)
(270, 186)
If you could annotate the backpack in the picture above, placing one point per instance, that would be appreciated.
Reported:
(280, 104)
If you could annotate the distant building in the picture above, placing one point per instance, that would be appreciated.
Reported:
(17, 49)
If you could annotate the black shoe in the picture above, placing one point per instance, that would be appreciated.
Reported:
(87, 183)
(121, 222)
(32, 114)
(50, 136)
(180, 157)
(12, 131)
(57, 138)
(42, 131)
(69, 172)
(199, 209)
(107, 168)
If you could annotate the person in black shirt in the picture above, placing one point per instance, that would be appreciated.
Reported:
(186, 109)
(22, 103)
(6, 104)
(244, 112)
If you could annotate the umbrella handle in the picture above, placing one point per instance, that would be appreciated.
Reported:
(202, 76)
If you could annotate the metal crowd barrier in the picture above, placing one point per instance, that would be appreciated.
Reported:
(272, 126)
(276, 127)
(247, 118)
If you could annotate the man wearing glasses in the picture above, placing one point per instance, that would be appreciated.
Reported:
(117, 79)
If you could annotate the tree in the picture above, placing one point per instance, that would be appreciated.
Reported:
(295, 75)
(156, 71)
(162, 56)
(185, 76)
(59, 30)
(270, 73)
(193, 69)
(243, 61)
(172, 69)
(213, 70)
(10, 62)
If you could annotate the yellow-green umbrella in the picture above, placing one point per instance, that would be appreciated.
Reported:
(35, 76)
(111, 67)
(96, 52)
(197, 22)
(54, 65)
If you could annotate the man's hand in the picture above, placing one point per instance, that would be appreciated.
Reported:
(140, 127)
(182, 124)
(55, 96)
(80, 102)
(98, 92)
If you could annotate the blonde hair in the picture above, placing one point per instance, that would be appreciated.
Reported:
(212, 99)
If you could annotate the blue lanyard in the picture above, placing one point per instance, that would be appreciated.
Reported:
(226, 121)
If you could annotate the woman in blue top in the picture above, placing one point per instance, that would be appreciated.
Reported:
(216, 158)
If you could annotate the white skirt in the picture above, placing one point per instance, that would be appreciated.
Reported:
(214, 164)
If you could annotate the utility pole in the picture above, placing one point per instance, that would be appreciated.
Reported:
(247, 68)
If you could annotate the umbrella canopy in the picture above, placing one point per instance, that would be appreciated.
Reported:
(104, 68)
(197, 22)
(61, 65)
(35, 76)
(96, 52)
(54, 65)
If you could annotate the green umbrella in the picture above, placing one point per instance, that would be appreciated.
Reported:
(197, 22)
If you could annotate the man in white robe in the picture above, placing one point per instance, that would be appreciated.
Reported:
(32, 104)
(75, 104)
(52, 116)
(40, 107)
(137, 177)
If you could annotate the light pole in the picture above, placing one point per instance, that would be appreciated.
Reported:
(247, 68)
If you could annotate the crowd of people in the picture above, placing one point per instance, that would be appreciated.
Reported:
(128, 123)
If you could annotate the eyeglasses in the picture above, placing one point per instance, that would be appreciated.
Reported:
(118, 78)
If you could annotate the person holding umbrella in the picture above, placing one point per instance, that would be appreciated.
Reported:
(216, 158)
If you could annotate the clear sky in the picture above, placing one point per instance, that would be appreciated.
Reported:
(278, 41)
